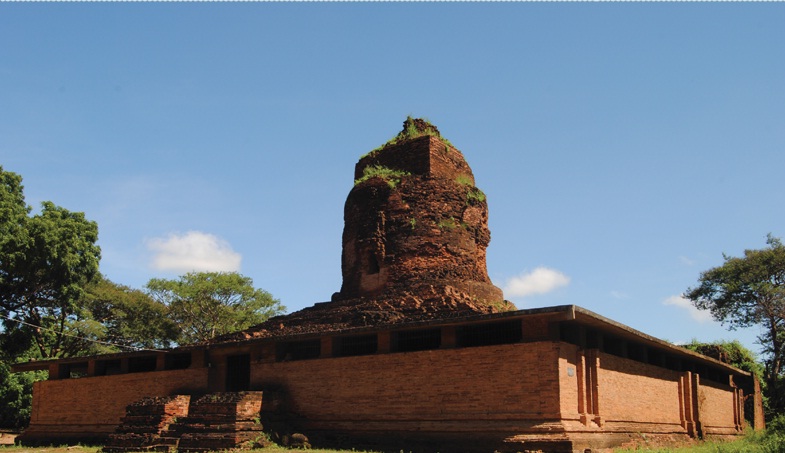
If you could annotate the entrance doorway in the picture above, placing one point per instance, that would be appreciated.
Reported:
(238, 373)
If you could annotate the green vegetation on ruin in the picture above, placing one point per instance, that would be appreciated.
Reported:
(464, 180)
(391, 176)
(451, 224)
(474, 196)
(411, 131)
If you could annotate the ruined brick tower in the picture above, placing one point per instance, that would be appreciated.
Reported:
(415, 224)
(414, 240)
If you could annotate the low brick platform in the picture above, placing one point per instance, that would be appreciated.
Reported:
(218, 421)
(145, 426)
(221, 421)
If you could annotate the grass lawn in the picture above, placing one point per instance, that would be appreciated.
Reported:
(752, 443)
(88, 449)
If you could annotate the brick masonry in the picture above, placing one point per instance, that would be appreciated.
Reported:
(512, 394)
(91, 408)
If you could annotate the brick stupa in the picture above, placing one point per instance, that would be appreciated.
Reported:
(414, 241)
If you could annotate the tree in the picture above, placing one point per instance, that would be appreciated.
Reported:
(208, 304)
(16, 395)
(130, 318)
(731, 352)
(45, 262)
(750, 291)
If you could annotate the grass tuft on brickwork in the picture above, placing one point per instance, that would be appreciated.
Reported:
(392, 177)
(410, 131)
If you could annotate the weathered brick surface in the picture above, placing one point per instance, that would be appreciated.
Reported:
(474, 386)
(145, 423)
(220, 421)
(568, 381)
(523, 392)
(716, 406)
(92, 407)
(632, 391)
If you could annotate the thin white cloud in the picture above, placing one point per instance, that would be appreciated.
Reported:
(539, 281)
(686, 261)
(193, 251)
(619, 295)
(685, 304)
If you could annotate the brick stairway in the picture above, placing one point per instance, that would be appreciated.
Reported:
(218, 421)
(144, 425)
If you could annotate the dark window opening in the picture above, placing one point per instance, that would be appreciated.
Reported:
(107, 367)
(298, 350)
(713, 374)
(357, 345)
(178, 361)
(238, 373)
(673, 363)
(417, 340)
(636, 352)
(373, 263)
(504, 332)
(593, 339)
(570, 333)
(614, 346)
(142, 364)
(73, 370)
(656, 358)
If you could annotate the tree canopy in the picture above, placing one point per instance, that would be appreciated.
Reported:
(45, 263)
(748, 291)
(129, 317)
(54, 302)
(208, 304)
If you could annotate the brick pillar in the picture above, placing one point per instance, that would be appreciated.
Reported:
(198, 358)
(593, 385)
(160, 361)
(758, 420)
(327, 347)
(738, 408)
(383, 340)
(686, 403)
(265, 353)
(587, 369)
(449, 337)
(696, 404)
(54, 371)
(580, 374)
(689, 384)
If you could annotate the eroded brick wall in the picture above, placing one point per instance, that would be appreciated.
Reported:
(92, 407)
(632, 391)
(716, 407)
(483, 388)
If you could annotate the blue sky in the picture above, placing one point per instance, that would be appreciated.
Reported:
(623, 147)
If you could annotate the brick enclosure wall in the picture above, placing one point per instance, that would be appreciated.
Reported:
(92, 407)
(632, 391)
(716, 405)
(536, 389)
(490, 388)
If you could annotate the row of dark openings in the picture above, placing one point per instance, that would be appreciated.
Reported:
(487, 334)
(140, 364)
(592, 339)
